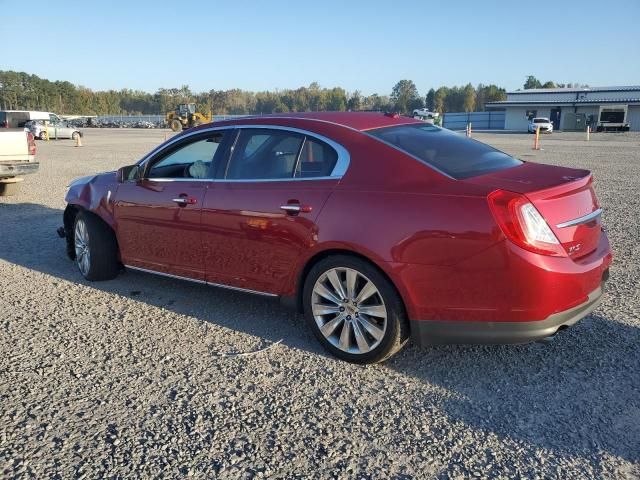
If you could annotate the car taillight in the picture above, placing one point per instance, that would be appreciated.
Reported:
(521, 223)
(32, 143)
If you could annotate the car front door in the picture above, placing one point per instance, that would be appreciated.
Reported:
(158, 216)
(260, 216)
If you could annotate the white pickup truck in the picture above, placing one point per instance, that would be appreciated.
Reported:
(17, 158)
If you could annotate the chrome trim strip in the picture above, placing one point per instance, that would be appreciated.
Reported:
(169, 275)
(167, 179)
(224, 180)
(338, 171)
(291, 208)
(201, 282)
(238, 289)
(580, 220)
(297, 164)
(261, 180)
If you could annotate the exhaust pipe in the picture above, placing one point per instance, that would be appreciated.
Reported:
(548, 339)
(552, 337)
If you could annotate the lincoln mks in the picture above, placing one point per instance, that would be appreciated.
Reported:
(378, 228)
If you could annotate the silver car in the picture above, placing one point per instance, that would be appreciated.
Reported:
(56, 130)
(544, 124)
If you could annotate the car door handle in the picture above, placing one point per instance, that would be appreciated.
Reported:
(294, 208)
(184, 201)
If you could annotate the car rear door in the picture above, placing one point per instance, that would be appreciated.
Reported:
(260, 216)
(158, 216)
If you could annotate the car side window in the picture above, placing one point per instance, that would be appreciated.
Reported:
(317, 159)
(262, 154)
(193, 160)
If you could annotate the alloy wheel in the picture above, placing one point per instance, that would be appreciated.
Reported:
(81, 243)
(349, 310)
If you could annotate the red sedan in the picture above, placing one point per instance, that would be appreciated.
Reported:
(379, 228)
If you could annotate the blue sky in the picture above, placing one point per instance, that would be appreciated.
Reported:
(364, 45)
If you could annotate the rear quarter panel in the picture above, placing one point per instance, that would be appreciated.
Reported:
(416, 239)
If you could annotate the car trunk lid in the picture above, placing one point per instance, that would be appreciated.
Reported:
(564, 197)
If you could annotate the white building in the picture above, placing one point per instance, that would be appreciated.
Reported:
(573, 108)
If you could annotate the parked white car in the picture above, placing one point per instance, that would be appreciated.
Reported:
(544, 124)
(425, 113)
(56, 130)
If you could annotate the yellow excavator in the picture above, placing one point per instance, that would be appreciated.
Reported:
(186, 116)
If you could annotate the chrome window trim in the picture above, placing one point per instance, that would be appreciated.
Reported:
(580, 220)
(224, 180)
(201, 282)
(340, 168)
(267, 180)
(168, 179)
(298, 156)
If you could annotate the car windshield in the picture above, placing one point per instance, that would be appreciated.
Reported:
(540, 120)
(448, 152)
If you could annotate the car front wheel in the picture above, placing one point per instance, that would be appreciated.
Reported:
(354, 310)
(95, 248)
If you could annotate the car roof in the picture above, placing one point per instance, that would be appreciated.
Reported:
(354, 120)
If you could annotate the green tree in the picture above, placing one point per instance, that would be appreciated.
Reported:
(336, 100)
(549, 84)
(532, 82)
(440, 99)
(404, 95)
(355, 101)
(469, 98)
(430, 101)
(488, 93)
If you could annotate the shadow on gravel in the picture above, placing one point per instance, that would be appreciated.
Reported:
(31, 241)
(578, 395)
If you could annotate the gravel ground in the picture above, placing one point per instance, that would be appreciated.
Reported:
(139, 377)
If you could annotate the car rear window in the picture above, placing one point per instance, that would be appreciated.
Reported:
(449, 152)
(540, 120)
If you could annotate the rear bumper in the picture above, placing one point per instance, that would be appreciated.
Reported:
(18, 169)
(426, 332)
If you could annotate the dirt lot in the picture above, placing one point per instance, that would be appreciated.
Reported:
(137, 377)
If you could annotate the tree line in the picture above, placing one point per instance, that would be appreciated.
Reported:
(22, 91)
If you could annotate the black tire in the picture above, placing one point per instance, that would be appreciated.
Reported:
(43, 135)
(396, 333)
(8, 189)
(102, 247)
(176, 125)
(75, 135)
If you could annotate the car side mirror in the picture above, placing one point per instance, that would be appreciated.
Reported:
(129, 173)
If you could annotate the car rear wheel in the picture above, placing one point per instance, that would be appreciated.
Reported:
(74, 135)
(354, 310)
(95, 248)
(43, 135)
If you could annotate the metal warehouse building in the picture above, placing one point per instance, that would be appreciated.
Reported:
(603, 108)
